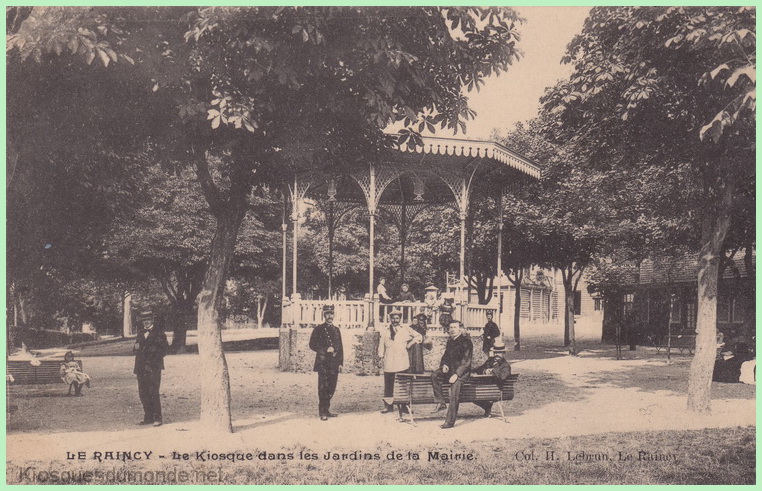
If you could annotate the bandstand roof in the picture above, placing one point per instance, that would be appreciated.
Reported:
(440, 164)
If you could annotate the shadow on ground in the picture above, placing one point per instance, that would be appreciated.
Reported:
(660, 376)
(124, 347)
(242, 345)
(259, 391)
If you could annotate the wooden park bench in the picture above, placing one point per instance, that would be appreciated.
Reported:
(48, 372)
(416, 388)
(681, 342)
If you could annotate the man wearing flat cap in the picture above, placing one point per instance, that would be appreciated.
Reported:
(329, 358)
(150, 348)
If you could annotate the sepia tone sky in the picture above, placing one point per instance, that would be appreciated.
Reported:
(514, 96)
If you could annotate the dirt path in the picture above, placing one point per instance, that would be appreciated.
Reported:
(557, 396)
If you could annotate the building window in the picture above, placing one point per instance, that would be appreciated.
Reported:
(739, 311)
(577, 302)
(627, 302)
(597, 304)
(690, 316)
(723, 310)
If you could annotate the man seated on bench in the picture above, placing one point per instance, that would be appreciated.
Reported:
(497, 366)
(455, 367)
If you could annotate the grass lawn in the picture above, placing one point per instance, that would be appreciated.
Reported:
(689, 457)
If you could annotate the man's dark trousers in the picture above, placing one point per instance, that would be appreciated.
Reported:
(452, 409)
(149, 384)
(326, 387)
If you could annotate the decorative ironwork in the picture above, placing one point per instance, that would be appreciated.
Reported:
(334, 211)
(332, 189)
(418, 188)
(374, 183)
(476, 149)
(297, 191)
(405, 213)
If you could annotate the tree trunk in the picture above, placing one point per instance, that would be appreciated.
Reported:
(261, 307)
(179, 336)
(568, 281)
(714, 231)
(215, 380)
(569, 337)
(330, 260)
(23, 311)
(182, 312)
(127, 314)
(262, 315)
(517, 314)
(490, 288)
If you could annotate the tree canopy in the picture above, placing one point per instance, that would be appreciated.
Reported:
(666, 96)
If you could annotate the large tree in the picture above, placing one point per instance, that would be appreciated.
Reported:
(273, 90)
(663, 87)
(167, 236)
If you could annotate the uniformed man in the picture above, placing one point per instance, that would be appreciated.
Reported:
(329, 358)
(491, 332)
(150, 348)
(454, 367)
(497, 366)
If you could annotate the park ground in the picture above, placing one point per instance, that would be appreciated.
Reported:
(574, 420)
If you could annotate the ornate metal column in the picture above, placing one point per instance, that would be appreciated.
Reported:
(499, 259)
(284, 228)
(373, 185)
(372, 206)
(297, 194)
(461, 189)
(463, 215)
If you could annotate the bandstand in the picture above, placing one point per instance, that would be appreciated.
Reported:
(403, 182)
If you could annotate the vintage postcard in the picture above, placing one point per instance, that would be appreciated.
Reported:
(380, 245)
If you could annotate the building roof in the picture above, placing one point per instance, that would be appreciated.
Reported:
(475, 149)
(685, 269)
(429, 174)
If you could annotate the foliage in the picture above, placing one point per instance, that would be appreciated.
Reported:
(168, 235)
(272, 90)
(669, 91)
(647, 89)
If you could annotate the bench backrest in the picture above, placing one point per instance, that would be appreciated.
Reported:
(678, 340)
(476, 388)
(48, 372)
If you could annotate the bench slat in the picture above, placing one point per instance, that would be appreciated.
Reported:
(48, 372)
(478, 388)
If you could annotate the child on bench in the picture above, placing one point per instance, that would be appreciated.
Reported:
(72, 374)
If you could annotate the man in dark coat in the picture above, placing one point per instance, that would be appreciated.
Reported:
(491, 332)
(150, 348)
(329, 358)
(497, 366)
(454, 367)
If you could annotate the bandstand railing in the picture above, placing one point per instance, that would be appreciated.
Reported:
(476, 315)
(408, 309)
(347, 313)
(353, 313)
